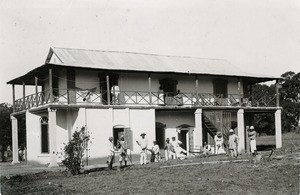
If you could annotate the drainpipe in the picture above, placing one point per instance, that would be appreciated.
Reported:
(24, 104)
(36, 92)
(149, 88)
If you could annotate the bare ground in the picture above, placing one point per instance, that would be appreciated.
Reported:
(279, 175)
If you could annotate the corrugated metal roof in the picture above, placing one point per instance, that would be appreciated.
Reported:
(111, 60)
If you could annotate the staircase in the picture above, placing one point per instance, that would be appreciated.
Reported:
(217, 121)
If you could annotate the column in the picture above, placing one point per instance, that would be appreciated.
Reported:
(277, 93)
(24, 95)
(198, 140)
(51, 86)
(197, 90)
(14, 98)
(52, 137)
(15, 147)
(278, 134)
(108, 89)
(241, 130)
(36, 91)
(149, 88)
(240, 93)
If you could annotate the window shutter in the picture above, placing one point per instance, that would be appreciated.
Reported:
(128, 138)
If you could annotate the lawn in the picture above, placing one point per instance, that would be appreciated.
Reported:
(276, 176)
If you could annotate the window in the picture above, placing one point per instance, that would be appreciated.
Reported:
(169, 86)
(44, 135)
(220, 88)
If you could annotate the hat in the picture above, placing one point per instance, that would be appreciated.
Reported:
(179, 142)
(143, 134)
(251, 127)
(231, 131)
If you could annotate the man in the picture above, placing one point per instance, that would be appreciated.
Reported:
(233, 143)
(143, 143)
(155, 152)
(111, 153)
(219, 143)
(122, 146)
(252, 138)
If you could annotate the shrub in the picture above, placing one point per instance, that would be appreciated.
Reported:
(74, 151)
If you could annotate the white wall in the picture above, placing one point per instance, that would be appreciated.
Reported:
(33, 139)
(173, 118)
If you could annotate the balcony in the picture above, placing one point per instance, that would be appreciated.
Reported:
(140, 98)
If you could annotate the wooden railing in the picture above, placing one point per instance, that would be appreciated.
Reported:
(77, 96)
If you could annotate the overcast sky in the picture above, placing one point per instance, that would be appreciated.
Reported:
(258, 36)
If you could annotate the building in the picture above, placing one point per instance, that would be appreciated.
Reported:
(114, 93)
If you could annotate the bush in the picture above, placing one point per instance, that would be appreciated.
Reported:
(74, 151)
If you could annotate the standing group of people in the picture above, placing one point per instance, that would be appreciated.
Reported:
(173, 149)
(233, 141)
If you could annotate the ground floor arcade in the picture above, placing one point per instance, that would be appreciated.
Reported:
(48, 130)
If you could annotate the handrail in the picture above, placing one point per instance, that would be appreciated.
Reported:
(192, 99)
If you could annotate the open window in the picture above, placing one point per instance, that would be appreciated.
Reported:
(220, 88)
(44, 135)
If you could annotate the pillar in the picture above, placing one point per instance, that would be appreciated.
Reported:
(198, 139)
(108, 90)
(51, 86)
(149, 88)
(277, 93)
(15, 147)
(241, 130)
(14, 98)
(36, 91)
(52, 137)
(278, 135)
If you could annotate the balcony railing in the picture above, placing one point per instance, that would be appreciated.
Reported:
(76, 96)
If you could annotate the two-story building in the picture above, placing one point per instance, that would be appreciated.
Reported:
(114, 93)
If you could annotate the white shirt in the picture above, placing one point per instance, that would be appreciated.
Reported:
(143, 143)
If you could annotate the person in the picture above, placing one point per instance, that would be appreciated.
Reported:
(179, 98)
(111, 153)
(206, 150)
(252, 138)
(161, 96)
(122, 146)
(232, 143)
(168, 149)
(180, 152)
(174, 145)
(219, 143)
(143, 143)
(155, 152)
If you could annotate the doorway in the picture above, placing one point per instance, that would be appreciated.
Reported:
(160, 134)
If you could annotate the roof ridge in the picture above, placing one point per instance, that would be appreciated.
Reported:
(151, 54)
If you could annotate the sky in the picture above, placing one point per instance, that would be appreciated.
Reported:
(258, 36)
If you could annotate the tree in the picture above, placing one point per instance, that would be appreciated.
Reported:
(290, 99)
(264, 122)
(5, 127)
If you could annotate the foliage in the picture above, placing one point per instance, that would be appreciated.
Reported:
(264, 123)
(74, 151)
(290, 99)
(5, 127)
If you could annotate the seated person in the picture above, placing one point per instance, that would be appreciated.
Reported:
(180, 152)
(206, 150)
(179, 99)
